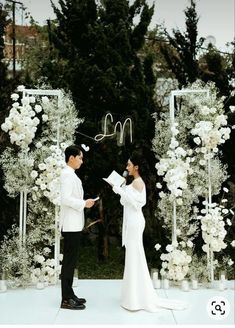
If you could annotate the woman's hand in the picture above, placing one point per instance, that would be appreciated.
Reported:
(89, 203)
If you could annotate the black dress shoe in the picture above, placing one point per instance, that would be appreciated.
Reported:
(79, 300)
(71, 304)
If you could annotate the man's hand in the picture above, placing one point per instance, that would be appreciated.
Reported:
(89, 203)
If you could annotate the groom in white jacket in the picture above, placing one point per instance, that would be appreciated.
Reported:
(71, 224)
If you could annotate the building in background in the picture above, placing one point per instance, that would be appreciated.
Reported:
(26, 36)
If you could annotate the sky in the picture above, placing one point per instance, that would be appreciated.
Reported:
(216, 17)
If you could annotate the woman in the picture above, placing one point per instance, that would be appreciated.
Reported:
(137, 288)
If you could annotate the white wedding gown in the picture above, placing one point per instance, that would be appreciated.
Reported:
(137, 288)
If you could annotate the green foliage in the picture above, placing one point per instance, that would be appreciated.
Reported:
(181, 53)
(214, 67)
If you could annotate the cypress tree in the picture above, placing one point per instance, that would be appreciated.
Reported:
(181, 53)
(101, 46)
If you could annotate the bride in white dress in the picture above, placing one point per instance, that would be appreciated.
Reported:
(137, 288)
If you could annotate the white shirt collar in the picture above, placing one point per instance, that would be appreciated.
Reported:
(69, 168)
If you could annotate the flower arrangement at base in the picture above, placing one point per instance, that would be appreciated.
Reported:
(44, 268)
(175, 263)
(15, 259)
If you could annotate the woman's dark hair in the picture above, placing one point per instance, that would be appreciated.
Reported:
(72, 150)
(137, 158)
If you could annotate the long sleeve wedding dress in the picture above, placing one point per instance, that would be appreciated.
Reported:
(137, 288)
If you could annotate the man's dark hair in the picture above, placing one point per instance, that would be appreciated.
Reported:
(72, 150)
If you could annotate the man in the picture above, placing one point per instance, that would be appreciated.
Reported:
(71, 223)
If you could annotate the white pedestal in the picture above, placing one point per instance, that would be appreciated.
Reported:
(3, 286)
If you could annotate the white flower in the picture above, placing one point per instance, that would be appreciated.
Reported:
(38, 145)
(189, 244)
(179, 151)
(230, 262)
(20, 88)
(225, 211)
(157, 247)
(45, 100)
(202, 162)
(178, 232)
(4, 127)
(25, 101)
(39, 258)
(197, 140)
(233, 243)
(169, 248)
(38, 108)
(229, 222)
(32, 99)
(212, 230)
(63, 145)
(15, 96)
(205, 248)
(225, 189)
(46, 250)
(34, 174)
(174, 130)
(42, 166)
(162, 194)
(174, 143)
(158, 185)
(45, 118)
(232, 108)
(179, 201)
(164, 265)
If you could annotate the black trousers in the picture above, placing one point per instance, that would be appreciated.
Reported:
(70, 253)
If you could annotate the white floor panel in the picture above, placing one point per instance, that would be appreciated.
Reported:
(32, 306)
(103, 307)
(197, 312)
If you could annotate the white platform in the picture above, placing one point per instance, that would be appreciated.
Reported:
(36, 307)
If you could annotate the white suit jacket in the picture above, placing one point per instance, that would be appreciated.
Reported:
(72, 203)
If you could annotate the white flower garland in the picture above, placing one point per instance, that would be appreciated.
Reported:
(175, 168)
(47, 178)
(213, 229)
